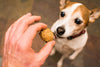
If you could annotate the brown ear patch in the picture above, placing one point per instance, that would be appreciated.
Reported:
(84, 13)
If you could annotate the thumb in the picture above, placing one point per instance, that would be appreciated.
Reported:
(45, 51)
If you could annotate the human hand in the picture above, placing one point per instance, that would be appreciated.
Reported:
(18, 42)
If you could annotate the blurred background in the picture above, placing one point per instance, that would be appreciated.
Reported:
(11, 10)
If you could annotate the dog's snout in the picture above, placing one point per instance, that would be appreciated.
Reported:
(60, 30)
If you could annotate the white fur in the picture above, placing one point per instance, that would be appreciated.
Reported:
(67, 21)
(63, 44)
(74, 44)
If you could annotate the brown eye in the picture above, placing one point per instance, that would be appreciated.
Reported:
(78, 21)
(62, 14)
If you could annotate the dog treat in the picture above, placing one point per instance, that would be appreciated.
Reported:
(47, 35)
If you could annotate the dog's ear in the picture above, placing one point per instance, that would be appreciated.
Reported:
(63, 3)
(94, 14)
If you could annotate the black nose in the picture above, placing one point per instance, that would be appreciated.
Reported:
(60, 30)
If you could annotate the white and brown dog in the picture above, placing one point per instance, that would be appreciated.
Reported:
(71, 29)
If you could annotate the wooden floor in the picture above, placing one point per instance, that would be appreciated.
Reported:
(11, 10)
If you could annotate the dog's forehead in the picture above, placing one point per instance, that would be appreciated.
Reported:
(84, 12)
(70, 8)
(74, 8)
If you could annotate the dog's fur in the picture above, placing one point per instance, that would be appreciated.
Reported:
(71, 48)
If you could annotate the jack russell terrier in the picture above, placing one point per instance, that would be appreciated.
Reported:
(70, 29)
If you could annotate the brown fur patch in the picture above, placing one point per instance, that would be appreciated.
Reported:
(84, 13)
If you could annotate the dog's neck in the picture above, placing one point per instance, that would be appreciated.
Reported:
(77, 35)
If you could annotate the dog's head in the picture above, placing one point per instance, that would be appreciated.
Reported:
(74, 17)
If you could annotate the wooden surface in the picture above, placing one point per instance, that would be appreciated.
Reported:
(11, 10)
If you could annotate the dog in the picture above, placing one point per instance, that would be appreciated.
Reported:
(70, 29)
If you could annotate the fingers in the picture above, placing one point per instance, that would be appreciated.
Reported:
(26, 22)
(17, 29)
(45, 51)
(30, 33)
(16, 24)
(22, 27)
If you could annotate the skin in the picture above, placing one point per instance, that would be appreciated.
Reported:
(18, 42)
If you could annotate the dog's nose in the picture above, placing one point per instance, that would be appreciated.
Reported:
(60, 30)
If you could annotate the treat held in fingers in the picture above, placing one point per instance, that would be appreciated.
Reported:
(47, 35)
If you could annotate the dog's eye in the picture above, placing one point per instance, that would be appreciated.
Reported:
(78, 21)
(62, 14)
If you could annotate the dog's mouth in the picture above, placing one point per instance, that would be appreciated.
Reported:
(70, 37)
(60, 36)
(57, 36)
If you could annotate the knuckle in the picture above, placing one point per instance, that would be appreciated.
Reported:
(25, 22)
